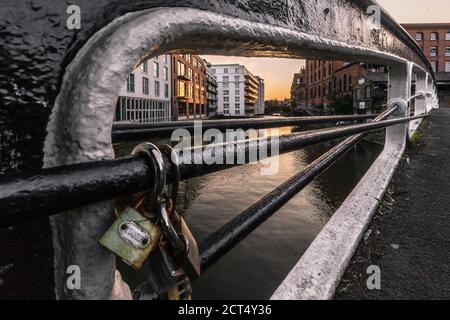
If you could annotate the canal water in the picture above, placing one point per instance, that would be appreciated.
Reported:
(255, 268)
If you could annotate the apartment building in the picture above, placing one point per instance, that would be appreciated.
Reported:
(189, 87)
(146, 95)
(211, 91)
(260, 103)
(434, 39)
(237, 90)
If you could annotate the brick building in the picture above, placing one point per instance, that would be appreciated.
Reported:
(434, 39)
(363, 84)
(320, 84)
(298, 89)
(189, 85)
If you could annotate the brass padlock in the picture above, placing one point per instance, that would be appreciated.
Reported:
(132, 237)
(181, 290)
(189, 260)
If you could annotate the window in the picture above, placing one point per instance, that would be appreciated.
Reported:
(157, 88)
(225, 70)
(166, 59)
(237, 70)
(225, 86)
(419, 36)
(237, 78)
(145, 86)
(433, 51)
(156, 69)
(447, 36)
(350, 83)
(226, 92)
(237, 99)
(237, 84)
(237, 93)
(447, 66)
(181, 89)
(226, 105)
(130, 83)
(166, 90)
(144, 67)
(434, 36)
(166, 73)
(434, 66)
(226, 78)
(181, 68)
(447, 52)
(357, 94)
(368, 95)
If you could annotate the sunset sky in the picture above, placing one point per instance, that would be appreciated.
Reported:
(278, 73)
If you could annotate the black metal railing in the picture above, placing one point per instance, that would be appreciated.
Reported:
(132, 131)
(49, 191)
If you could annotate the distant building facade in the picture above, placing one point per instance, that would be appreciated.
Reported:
(299, 89)
(237, 90)
(189, 87)
(434, 39)
(146, 95)
(260, 103)
(321, 82)
(211, 92)
(364, 84)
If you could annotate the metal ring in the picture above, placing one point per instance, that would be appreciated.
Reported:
(186, 243)
(170, 153)
(157, 162)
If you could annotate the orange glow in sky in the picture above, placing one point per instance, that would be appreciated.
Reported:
(278, 73)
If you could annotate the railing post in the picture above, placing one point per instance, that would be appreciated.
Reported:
(420, 103)
(399, 92)
(430, 93)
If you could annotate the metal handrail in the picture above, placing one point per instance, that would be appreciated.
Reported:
(227, 237)
(50, 191)
(131, 131)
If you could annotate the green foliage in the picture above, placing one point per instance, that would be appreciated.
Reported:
(342, 104)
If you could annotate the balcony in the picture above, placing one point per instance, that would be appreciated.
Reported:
(183, 97)
(184, 76)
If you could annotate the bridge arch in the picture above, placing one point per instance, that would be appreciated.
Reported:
(79, 129)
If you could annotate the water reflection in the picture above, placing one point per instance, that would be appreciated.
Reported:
(255, 268)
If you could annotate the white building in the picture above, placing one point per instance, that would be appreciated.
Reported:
(260, 103)
(237, 90)
(146, 95)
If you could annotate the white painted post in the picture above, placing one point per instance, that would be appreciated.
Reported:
(399, 92)
(429, 98)
(420, 103)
